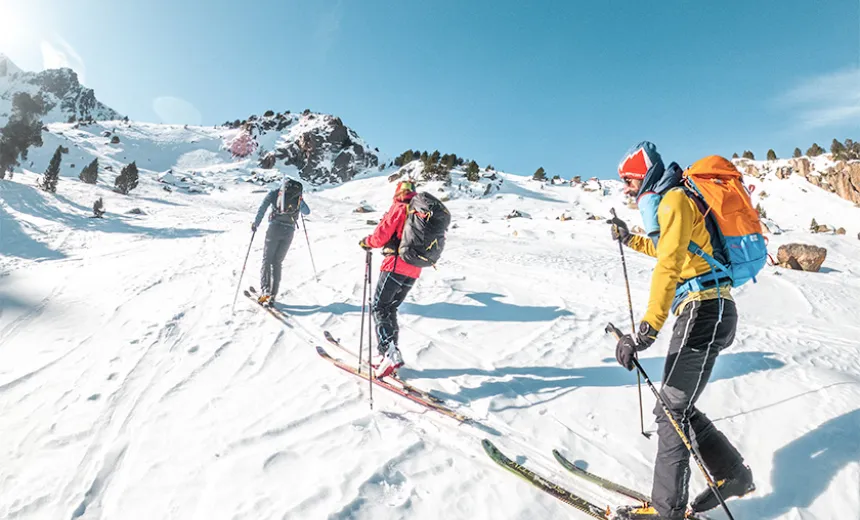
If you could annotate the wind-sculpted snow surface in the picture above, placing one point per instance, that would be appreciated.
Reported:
(129, 390)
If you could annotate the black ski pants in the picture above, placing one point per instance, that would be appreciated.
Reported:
(702, 331)
(278, 240)
(391, 290)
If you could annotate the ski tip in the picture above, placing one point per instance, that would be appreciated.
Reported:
(246, 293)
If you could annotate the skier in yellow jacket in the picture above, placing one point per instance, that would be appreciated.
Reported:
(681, 283)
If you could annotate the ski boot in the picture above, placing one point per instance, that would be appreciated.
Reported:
(266, 300)
(738, 485)
(391, 361)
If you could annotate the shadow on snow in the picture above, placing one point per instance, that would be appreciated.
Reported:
(514, 381)
(14, 241)
(489, 310)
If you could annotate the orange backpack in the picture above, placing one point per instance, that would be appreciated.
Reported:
(736, 232)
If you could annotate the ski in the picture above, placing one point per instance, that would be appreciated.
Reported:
(404, 392)
(543, 484)
(600, 481)
(365, 365)
(280, 316)
(644, 499)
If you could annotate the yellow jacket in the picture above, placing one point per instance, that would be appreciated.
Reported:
(680, 222)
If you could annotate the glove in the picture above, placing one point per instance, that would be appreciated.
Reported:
(619, 230)
(364, 245)
(630, 344)
(253, 227)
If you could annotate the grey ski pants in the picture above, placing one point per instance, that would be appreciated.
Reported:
(278, 240)
(701, 332)
(391, 290)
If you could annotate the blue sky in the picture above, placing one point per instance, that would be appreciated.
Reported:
(561, 84)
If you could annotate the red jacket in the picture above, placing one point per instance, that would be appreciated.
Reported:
(392, 224)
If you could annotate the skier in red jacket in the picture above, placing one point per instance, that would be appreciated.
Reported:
(395, 280)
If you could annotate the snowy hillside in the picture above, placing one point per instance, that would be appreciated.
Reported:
(129, 390)
(60, 89)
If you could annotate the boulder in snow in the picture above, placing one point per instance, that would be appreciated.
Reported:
(806, 257)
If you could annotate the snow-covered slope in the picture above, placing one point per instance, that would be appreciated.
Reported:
(60, 89)
(129, 390)
(199, 158)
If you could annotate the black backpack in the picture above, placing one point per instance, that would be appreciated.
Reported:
(423, 239)
(289, 200)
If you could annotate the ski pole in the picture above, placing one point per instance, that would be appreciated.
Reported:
(305, 226)
(369, 327)
(711, 484)
(632, 328)
(363, 304)
(232, 309)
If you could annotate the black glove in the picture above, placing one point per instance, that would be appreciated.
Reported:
(253, 227)
(619, 230)
(364, 245)
(629, 344)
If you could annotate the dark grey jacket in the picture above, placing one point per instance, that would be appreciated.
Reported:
(282, 219)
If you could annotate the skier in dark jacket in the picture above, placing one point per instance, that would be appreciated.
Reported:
(707, 319)
(285, 202)
(396, 278)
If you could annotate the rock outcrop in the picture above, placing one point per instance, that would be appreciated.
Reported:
(801, 257)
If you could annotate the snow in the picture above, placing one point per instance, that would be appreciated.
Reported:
(129, 390)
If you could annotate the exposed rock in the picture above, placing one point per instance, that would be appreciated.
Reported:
(135, 211)
(801, 166)
(784, 172)
(841, 231)
(363, 208)
(803, 256)
(845, 180)
(267, 162)
(371, 222)
(514, 214)
(327, 151)
(114, 139)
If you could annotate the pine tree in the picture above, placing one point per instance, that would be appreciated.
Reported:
(797, 153)
(22, 130)
(540, 174)
(90, 173)
(52, 174)
(473, 172)
(127, 179)
(735, 155)
(813, 226)
(771, 155)
(814, 150)
(837, 149)
(748, 155)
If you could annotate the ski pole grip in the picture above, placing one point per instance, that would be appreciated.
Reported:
(610, 328)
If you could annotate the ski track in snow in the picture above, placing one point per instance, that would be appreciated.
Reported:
(128, 389)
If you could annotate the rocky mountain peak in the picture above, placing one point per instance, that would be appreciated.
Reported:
(64, 96)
